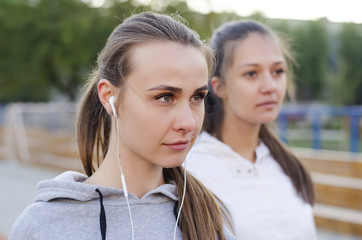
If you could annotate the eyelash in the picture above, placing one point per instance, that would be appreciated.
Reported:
(201, 96)
(250, 74)
(159, 97)
(279, 71)
(254, 73)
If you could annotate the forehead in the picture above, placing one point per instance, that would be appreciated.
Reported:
(257, 48)
(162, 51)
(166, 61)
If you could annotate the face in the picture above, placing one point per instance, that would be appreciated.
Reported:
(256, 81)
(161, 111)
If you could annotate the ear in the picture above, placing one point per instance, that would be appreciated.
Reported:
(218, 87)
(105, 91)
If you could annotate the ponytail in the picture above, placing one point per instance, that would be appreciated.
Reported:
(203, 215)
(214, 114)
(93, 126)
(290, 164)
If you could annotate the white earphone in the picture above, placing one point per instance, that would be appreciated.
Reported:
(111, 101)
(123, 180)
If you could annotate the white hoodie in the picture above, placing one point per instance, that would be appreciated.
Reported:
(261, 197)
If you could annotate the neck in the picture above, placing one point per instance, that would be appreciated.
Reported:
(241, 136)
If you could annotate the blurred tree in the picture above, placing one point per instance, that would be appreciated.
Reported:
(50, 46)
(20, 69)
(350, 71)
(69, 42)
(258, 16)
(312, 47)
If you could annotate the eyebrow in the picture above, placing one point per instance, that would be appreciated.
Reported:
(175, 89)
(203, 88)
(166, 87)
(256, 64)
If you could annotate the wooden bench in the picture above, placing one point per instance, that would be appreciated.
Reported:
(337, 179)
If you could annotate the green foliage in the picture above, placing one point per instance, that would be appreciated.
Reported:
(69, 42)
(350, 71)
(49, 46)
(311, 42)
(20, 69)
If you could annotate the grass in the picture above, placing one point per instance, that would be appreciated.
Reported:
(325, 144)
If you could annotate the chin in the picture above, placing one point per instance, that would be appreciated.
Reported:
(268, 118)
(173, 163)
(266, 121)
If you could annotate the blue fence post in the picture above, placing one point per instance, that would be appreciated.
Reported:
(2, 109)
(354, 133)
(316, 130)
(283, 127)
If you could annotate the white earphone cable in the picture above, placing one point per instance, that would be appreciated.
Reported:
(182, 203)
(123, 180)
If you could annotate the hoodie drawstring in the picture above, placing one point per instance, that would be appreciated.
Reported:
(175, 212)
(102, 216)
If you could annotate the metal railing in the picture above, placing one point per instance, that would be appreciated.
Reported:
(316, 115)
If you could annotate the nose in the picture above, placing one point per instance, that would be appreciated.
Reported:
(268, 83)
(185, 120)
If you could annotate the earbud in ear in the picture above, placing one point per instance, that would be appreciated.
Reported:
(111, 101)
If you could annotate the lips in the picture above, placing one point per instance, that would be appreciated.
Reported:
(267, 104)
(178, 146)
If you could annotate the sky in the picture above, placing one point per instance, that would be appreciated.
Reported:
(333, 10)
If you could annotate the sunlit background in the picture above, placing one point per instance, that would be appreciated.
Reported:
(335, 11)
(47, 48)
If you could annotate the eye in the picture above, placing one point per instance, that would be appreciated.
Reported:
(199, 97)
(250, 74)
(279, 71)
(165, 97)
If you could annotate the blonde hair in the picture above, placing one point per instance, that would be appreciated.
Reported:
(202, 215)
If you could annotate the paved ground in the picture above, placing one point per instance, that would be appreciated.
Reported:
(18, 190)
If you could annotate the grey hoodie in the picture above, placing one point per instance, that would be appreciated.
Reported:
(66, 208)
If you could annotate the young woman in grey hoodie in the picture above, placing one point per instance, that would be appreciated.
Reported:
(140, 114)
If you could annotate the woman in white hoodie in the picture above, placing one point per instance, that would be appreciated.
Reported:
(140, 114)
(269, 192)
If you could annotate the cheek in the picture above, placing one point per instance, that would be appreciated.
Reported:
(135, 115)
(242, 93)
(282, 88)
(200, 116)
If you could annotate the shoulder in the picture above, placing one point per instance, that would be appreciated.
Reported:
(208, 149)
(28, 222)
(209, 156)
(58, 219)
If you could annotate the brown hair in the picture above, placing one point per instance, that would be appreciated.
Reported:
(223, 41)
(202, 217)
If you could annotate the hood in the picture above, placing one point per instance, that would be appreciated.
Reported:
(105, 202)
(207, 144)
(69, 185)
